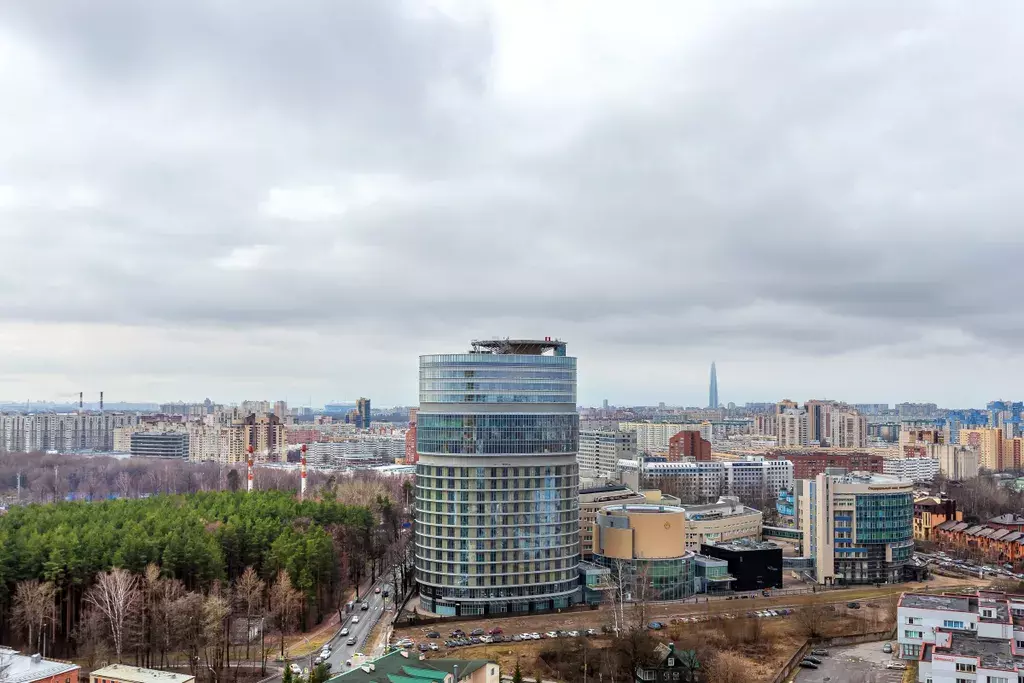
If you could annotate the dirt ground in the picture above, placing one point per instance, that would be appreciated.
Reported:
(777, 640)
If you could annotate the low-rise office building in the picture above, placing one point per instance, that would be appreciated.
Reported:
(914, 469)
(858, 527)
(726, 520)
(753, 565)
(123, 673)
(159, 445)
(644, 546)
(592, 500)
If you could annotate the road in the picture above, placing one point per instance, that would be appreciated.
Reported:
(360, 631)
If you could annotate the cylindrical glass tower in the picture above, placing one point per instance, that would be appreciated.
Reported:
(497, 504)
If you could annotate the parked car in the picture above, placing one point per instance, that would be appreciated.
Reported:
(591, 631)
(574, 634)
(896, 664)
(887, 648)
(433, 634)
(853, 605)
(296, 669)
(535, 636)
(655, 625)
(820, 653)
(812, 659)
(516, 638)
(433, 646)
(495, 631)
(318, 661)
(458, 633)
(551, 634)
(808, 665)
(423, 647)
(478, 632)
(475, 640)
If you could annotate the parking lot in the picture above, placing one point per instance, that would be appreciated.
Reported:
(855, 663)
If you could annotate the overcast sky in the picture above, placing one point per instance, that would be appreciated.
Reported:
(294, 199)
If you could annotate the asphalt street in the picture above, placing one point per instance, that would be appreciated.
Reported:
(360, 630)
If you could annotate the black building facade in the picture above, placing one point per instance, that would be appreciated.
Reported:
(754, 565)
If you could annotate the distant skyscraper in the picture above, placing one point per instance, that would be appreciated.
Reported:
(363, 409)
(713, 392)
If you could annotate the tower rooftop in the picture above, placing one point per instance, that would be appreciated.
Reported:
(525, 347)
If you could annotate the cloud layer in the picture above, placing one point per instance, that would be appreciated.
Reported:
(243, 199)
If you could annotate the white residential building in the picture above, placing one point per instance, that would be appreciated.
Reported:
(957, 638)
(914, 469)
(601, 450)
(748, 478)
(848, 429)
(652, 437)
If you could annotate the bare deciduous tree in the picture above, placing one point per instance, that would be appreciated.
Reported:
(249, 589)
(285, 602)
(116, 596)
(34, 606)
(811, 620)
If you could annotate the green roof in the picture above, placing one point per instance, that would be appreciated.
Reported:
(402, 666)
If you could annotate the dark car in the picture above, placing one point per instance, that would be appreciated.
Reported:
(814, 660)
(457, 633)
(495, 631)
(478, 632)
(350, 641)
(475, 640)
(808, 665)
(433, 634)
(820, 653)
(853, 605)
(423, 647)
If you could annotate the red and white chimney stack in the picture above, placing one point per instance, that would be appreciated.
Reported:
(249, 469)
(302, 473)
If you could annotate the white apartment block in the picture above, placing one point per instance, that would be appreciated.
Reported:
(956, 462)
(963, 638)
(600, 451)
(652, 437)
(709, 480)
(791, 427)
(64, 432)
(914, 469)
(360, 450)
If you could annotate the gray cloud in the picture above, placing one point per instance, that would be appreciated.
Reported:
(336, 187)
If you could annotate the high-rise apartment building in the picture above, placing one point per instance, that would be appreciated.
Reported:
(847, 429)
(601, 450)
(989, 442)
(791, 427)
(713, 388)
(64, 432)
(859, 528)
(497, 483)
(363, 413)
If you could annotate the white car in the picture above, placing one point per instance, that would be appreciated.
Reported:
(296, 669)
(344, 631)
(896, 664)
(355, 620)
(535, 636)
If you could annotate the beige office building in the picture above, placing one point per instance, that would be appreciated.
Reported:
(726, 520)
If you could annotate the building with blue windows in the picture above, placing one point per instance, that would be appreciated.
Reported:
(497, 483)
(858, 528)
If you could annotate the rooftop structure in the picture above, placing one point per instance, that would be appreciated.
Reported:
(520, 347)
(28, 668)
(402, 666)
(123, 673)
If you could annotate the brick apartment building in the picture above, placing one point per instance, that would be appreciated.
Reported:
(809, 464)
(689, 444)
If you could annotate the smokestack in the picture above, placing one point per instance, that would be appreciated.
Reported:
(249, 466)
(80, 404)
(101, 401)
(302, 470)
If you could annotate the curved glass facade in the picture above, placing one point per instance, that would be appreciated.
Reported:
(502, 434)
(480, 378)
(497, 490)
